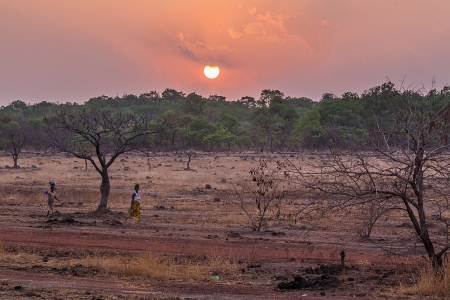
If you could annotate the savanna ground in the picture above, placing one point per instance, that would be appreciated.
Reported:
(191, 243)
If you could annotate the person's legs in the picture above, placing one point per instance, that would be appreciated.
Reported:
(50, 209)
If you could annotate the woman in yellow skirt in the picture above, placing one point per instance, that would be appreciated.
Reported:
(135, 209)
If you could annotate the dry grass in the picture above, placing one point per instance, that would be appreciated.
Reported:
(133, 265)
(430, 285)
(17, 257)
(165, 177)
(161, 184)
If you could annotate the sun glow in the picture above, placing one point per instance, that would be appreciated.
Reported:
(211, 72)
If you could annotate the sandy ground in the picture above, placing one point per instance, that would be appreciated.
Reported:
(276, 263)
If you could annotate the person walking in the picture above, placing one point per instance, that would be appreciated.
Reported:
(135, 209)
(51, 196)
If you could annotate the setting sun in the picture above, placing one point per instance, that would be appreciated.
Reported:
(211, 71)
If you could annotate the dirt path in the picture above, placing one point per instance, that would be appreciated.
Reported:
(236, 247)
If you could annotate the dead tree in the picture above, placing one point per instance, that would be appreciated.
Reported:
(404, 165)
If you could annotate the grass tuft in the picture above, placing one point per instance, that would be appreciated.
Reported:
(431, 285)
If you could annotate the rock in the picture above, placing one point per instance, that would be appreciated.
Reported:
(291, 285)
(216, 199)
(116, 223)
(278, 233)
(207, 186)
(68, 220)
(234, 235)
(254, 265)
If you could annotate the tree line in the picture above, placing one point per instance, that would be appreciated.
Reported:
(271, 123)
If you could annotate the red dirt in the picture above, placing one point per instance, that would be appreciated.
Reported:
(283, 255)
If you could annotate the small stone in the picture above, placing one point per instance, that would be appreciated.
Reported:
(234, 235)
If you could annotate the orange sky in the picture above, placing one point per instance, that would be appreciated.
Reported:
(72, 50)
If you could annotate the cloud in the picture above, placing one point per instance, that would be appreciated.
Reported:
(272, 28)
(202, 53)
(325, 23)
(234, 35)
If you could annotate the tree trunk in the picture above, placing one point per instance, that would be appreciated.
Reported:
(436, 262)
(188, 162)
(104, 189)
(15, 158)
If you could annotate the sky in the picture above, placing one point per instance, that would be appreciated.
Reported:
(74, 50)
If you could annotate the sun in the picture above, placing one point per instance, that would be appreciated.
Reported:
(211, 71)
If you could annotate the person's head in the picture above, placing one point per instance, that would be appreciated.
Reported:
(52, 186)
(136, 186)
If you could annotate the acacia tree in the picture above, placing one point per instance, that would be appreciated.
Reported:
(403, 165)
(109, 135)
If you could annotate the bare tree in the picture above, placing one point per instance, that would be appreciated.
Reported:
(261, 195)
(99, 137)
(405, 165)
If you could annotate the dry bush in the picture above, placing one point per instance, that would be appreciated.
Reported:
(222, 265)
(432, 285)
(260, 197)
